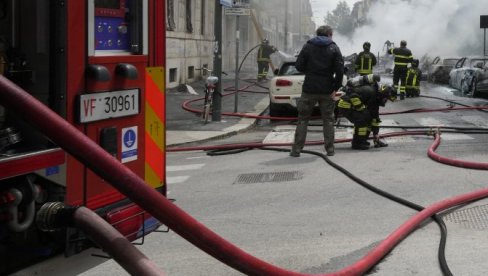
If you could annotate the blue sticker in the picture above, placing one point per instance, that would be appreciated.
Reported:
(52, 170)
(129, 138)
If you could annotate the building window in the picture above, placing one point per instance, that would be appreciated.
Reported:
(191, 72)
(189, 26)
(172, 74)
(170, 15)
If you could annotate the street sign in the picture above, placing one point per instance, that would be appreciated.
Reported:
(483, 21)
(227, 3)
(242, 4)
(237, 11)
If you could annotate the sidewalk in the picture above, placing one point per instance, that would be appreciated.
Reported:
(184, 127)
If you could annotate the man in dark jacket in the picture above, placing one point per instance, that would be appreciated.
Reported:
(321, 61)
(403, 56)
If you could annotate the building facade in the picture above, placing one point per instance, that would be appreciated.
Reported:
(190, 37)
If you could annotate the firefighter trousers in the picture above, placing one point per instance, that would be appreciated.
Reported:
(400, 76)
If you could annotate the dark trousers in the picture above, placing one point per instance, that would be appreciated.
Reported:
(400, 75)
(362, 124)
(263, 67)
(306, 105)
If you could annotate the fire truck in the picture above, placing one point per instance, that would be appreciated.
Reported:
(99, 64)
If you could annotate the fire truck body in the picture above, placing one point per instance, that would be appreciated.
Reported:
(99, 65)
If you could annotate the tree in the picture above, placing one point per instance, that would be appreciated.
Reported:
(340, 19)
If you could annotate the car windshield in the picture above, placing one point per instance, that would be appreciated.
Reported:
(289, 69)
(450, 61)
(479, 62)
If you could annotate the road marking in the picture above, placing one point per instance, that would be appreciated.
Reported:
(455, 136)
(476, 120)
(191, 90)
(429, 121)
(280, 135)
(176, 179)
(184, 167)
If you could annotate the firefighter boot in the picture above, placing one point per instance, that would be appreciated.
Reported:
(380, 144)
(402, 96)
(359, 143)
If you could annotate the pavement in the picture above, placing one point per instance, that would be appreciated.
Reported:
(184, 127)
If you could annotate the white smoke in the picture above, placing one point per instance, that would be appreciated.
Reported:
(434, 27)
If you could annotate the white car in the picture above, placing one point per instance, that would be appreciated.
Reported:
(285, 90)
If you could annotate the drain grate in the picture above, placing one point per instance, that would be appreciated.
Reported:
(250, 178)
(472, 218)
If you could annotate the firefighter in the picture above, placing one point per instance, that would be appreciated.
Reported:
(360, 105)
(403, 56)
(414, 74)
(365, 60)
(263, 58)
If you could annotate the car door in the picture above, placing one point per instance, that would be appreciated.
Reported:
(457, 73)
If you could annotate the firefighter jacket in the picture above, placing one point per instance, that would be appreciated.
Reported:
(403, 56)
(265, 51)
(413, 78)
(322, 62)
(364, 63)
(366, 100)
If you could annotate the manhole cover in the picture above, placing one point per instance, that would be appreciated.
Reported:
(250, 178)
(472, 218)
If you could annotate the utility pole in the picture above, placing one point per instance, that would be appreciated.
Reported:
(217, 63)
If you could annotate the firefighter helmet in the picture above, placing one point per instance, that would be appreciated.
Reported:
(388, 91)
(265, 41)
(366, 46)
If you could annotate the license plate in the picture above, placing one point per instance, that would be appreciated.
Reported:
(106, 105)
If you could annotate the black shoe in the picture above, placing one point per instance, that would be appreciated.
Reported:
(294, 154)
(330, 151)
(360, 146)
(380, 144)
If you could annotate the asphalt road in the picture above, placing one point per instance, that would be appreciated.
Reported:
(303, 215)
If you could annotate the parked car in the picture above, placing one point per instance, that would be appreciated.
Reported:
(439, 69)
(470, 75)
(285, 89)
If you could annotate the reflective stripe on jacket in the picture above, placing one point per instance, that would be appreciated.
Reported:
(413, 78)
(403, 56)
(365, 62)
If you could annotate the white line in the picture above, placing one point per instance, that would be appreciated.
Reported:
(429, 121)
(476, 120)
(191, 90)
(280, 137)
(176, 179)
(184, 167)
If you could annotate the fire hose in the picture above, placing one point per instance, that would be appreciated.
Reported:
(128, 183)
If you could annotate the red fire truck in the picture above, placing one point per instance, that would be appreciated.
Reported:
(99, 64)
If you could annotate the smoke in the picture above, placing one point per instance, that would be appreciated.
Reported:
(435, 27)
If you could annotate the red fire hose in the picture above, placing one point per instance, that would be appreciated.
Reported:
(101, 162)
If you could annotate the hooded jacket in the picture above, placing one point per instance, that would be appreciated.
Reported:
(321, 61)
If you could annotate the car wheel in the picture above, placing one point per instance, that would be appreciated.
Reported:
(275, 110)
